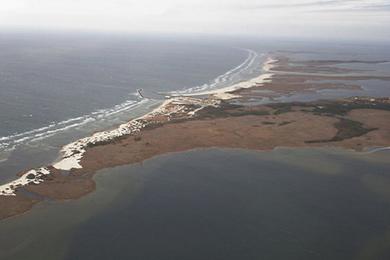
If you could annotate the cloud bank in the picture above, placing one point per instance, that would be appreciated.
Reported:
(343, 19)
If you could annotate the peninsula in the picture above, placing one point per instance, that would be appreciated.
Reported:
(235, 117)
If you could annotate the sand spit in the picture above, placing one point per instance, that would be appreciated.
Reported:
(227, 92)
(191, 121)
(73, 153)
(186, 123)
(30, 177)
(187, 105)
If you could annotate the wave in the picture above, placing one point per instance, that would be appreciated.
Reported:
(229, 77)
(9, 143)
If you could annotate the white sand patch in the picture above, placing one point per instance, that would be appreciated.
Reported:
(225, 96)
(226, 93)
(188, 105)
(269, 64)
(69, 163)
(31, 177)
(73, 153)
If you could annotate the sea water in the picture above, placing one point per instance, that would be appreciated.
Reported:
(56, 88)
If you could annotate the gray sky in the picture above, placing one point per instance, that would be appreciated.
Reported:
(369, 19)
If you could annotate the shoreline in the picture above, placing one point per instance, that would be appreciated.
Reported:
(71, 154)
(225, 126)
(185, 122)
(226, 93)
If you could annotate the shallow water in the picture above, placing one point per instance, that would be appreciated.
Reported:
(219, 204)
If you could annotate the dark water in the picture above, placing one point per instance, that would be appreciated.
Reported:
(205, 204)
(47, 78)
(219, 204)
(56, 88)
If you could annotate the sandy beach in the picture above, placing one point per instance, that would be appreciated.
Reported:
(208, 119)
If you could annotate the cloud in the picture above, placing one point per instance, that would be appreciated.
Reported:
(333, 18)
(314, 5)
(296, 4)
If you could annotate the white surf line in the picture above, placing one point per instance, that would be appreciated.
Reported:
(72, 153)
(252, 55)
(229, 74)
(225, 93)
(11, 141)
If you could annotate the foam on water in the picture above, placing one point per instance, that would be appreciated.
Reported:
(73, 152)
(230, 77)
(9, 143)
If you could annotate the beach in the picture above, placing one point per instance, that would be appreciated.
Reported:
(206, 119)
(215, 130)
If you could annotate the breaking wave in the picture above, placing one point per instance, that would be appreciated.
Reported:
(9, 143)
(228, 78)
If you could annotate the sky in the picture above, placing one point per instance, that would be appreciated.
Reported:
(342, 19)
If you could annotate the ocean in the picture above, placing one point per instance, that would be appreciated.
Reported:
(200, 204)
(57, 88)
